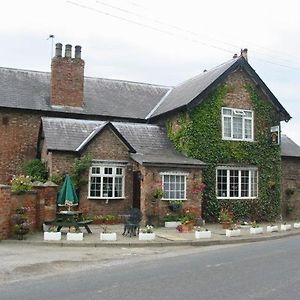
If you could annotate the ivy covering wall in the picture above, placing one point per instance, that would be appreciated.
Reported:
(198, 134)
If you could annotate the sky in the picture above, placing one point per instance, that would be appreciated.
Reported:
(160, 41)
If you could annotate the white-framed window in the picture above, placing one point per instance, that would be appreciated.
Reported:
(236, 183)
(174, 186)
(237, 124)
(106, 182)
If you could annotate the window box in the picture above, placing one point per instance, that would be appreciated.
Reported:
(111, 236)
(52, 236)
(234, 232)
(75, 236)
(272, 228)
(285, 227)
(202, 234)
(146, 236)
(256, 230)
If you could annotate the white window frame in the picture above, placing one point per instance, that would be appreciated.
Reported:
(174, 174)
(250, 185)
(101, 175)
(242, 113)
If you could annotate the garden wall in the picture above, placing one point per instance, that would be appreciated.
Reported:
(41, 204)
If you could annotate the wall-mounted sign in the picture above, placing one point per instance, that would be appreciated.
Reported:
(275, 138)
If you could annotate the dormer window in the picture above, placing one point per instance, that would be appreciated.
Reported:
(237, 124)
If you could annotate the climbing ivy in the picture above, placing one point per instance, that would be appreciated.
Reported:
(198, 134)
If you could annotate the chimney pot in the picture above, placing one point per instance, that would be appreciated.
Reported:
(235, 56)
(58, 50)
(68, 51)
(244, 53)
(77, 51)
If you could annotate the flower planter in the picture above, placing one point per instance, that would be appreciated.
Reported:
(272, 228)
(146, 236)
(175, 207)
(297, 225)
(112, 236)
(285, 227)
(74, 236)
(256, 230)
(172, 224)
(235, 232)
(52, 236)
(202, 234)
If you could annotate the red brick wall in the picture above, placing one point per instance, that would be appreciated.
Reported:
(290, 205)
(18, 136)
(4, 211)
(60, 162)
(41, 203)
(153, 180)
(67, 78)
(107, 146)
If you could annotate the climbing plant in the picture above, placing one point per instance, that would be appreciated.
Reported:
(198, 134)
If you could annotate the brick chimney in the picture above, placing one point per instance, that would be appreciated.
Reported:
(67, 77)
(244, 53)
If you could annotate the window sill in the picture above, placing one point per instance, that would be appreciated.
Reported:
(106, 198)
(175, 199)
(237, 198)
(237, 140)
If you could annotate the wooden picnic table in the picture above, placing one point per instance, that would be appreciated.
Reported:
(71, 219)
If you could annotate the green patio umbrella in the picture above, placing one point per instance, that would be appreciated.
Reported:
(67, 195)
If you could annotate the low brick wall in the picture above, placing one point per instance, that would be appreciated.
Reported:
(41, 204)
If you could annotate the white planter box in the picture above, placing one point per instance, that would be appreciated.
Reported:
(172, 224)
(297, 225)
(235, 232)
(75, 236)
(285, 227)
(202, 234)
(52, 236)
(256, 230)
(112, 236)
(146, 236)
(272, 228)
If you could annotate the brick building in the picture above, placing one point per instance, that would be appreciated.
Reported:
(126, 128)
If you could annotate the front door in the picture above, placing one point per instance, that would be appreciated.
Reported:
(136, 201)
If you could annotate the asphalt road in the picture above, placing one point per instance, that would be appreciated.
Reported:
(264, 270)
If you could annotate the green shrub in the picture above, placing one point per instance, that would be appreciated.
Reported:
(36, 169)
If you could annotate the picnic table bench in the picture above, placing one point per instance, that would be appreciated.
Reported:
(70, 219)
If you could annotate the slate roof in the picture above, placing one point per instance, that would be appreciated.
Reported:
(192, 91)
(150, 142)
(289, 148)
(102, 97)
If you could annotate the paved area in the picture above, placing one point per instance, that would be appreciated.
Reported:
(164, 237)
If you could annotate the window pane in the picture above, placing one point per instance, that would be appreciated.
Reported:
(237, 127)
(119, 171)
(107, 186)
(244, 183)
(108, 170)
(227, 127)
(95, 170)
(118, 186)
(234, 183)
(227, 111)
(253, 183)
(222, 183)
(248, 129)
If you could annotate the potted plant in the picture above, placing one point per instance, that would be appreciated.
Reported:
(21, 223)
(105, 235)
(171, 220)
(255, 229)
(233, 231)
(74, 235)
(52, 235)
(175, 205)
(226, 218)
(201, 233)
(147, 233)
(272, 228)
(158, 193)
(285, 227)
